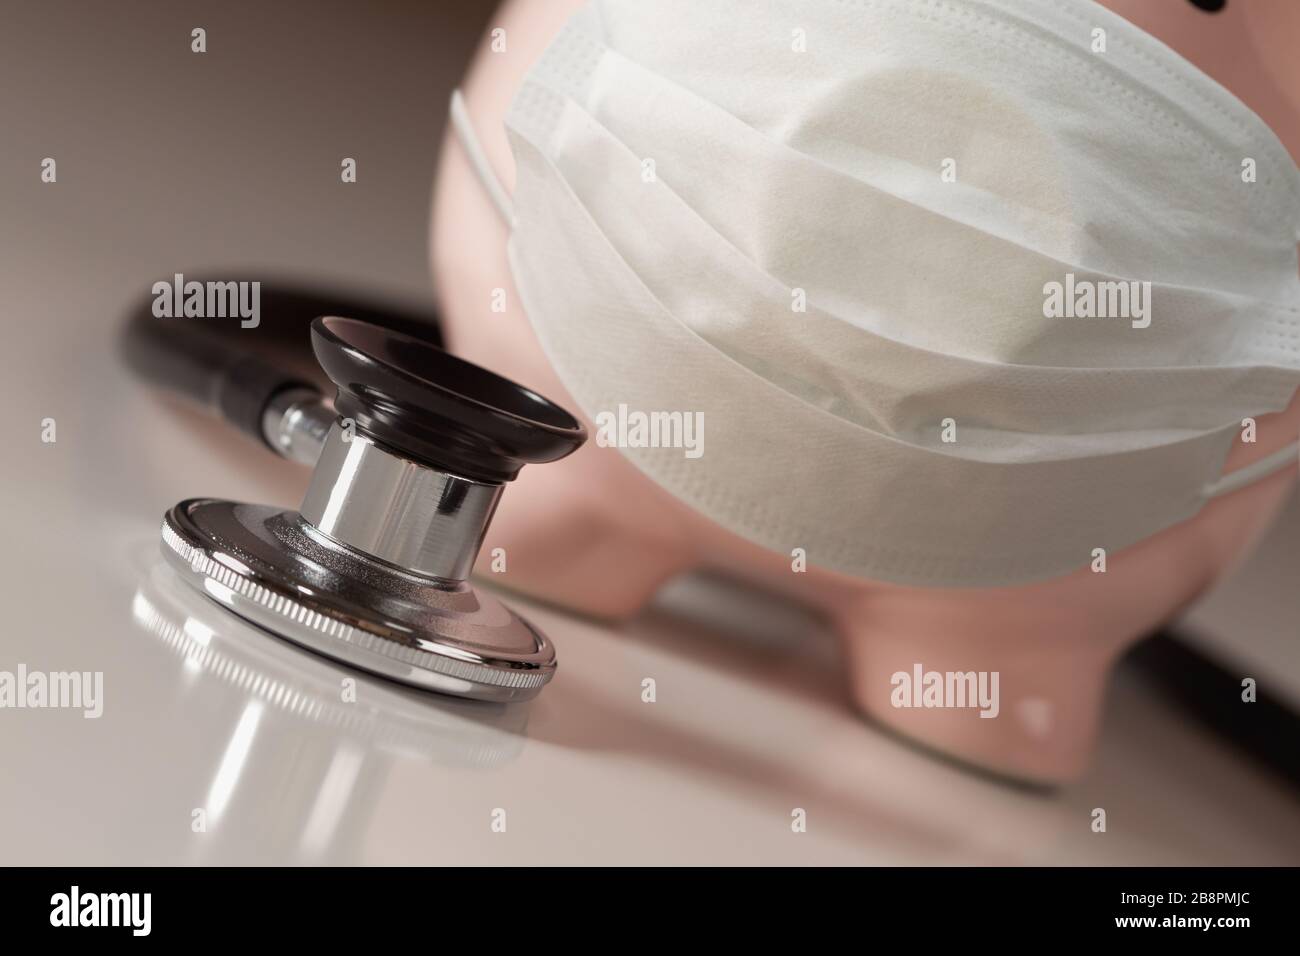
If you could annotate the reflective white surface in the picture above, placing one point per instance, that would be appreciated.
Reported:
(751, 720)
(204, 712)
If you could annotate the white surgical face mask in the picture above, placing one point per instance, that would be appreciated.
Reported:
(845, 232)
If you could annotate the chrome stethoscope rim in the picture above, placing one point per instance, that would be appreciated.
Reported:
(271, 568)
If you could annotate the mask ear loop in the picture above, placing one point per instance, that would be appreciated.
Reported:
(1256, 470)
(478, 159)
(1253, 472)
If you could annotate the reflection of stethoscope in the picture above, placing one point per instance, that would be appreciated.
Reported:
(280, 712)
(411, 460)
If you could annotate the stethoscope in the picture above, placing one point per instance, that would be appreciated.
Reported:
(411, 459)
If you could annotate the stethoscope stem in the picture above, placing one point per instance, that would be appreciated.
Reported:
(418, 518)
(296, 422)
(366, 497)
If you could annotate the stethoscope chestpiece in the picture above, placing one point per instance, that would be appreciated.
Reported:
(373, 571)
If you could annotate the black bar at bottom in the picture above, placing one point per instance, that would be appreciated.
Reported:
(305, 906)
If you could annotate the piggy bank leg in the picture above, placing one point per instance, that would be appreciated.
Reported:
(597, 543)
(1023, 702)
(1052, 645)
